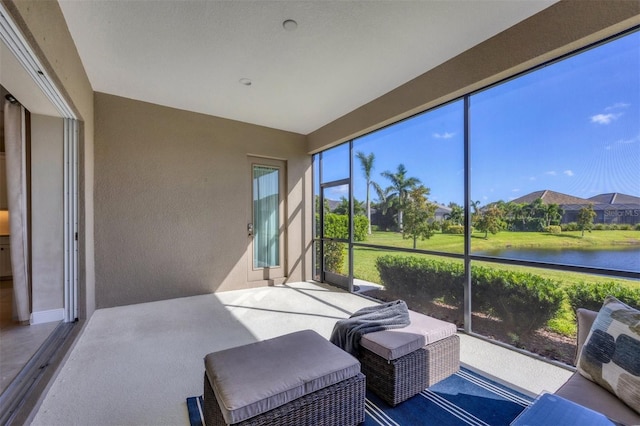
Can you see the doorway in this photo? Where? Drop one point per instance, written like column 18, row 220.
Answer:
column 266, row 225
column 335, row 231
column 52, row 244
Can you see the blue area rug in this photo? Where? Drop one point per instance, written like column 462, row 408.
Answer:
column 465, row 398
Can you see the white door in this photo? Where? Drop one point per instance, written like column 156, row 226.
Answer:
column 266, row 227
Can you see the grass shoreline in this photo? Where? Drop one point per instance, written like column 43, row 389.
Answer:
column 454, row 243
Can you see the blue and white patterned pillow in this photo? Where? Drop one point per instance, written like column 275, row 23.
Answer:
column 611, row 355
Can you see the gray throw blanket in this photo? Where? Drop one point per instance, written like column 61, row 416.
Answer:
column 346, row 333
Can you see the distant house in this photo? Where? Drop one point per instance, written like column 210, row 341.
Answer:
column 610, row 208
column 441, row 212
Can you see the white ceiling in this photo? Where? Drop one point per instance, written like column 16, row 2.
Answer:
column 343, row 54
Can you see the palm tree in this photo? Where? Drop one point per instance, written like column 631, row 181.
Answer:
column 475, row 205
column 366, row 163
column 553, row 213
column 475, row 215
column 456, row 216
column 399, row 189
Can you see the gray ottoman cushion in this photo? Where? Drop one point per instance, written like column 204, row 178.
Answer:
column 252, row 379
column 398, row 342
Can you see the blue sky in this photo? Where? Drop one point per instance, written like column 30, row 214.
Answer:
column 571, row 127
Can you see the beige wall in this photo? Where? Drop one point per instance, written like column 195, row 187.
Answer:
column 46, row 30
column 172, row 197
column 47, row 258
column 557, row 30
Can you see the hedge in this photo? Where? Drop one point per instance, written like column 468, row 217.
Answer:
column 337, row 226
column 553, row 229
column 427, row 277
column 591, row 295
column 523, row 301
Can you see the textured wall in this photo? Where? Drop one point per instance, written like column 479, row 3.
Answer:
column 172, row 197
column 46, row 220
column 559, row 29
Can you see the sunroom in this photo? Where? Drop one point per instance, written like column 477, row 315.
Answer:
column 375, row 149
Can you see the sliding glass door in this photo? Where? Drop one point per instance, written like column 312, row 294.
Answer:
column 335, row 230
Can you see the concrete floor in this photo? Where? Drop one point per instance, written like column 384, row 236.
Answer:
column 137, row 364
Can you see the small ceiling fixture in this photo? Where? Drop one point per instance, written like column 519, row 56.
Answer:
column 290, row 25
column 245, row 81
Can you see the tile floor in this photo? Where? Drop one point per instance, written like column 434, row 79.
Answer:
column 18, row 343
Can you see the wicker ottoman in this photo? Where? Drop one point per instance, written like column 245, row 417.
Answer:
column 401, row 363
column 296, row 379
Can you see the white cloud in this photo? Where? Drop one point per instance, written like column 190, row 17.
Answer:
column 617, row 105
column 445, row 135
column 568, row 172
column 628, row 141
column 604, row 118
column 609, row 116
column 532, row 178
column 515, row 190
column 550, row 173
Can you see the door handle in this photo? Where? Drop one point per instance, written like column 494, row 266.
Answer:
column 250, row 229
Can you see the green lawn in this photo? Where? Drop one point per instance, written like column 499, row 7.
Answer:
column 455, row 243
column 365, row 257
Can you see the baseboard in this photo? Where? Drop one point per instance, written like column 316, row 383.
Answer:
column 43, row 317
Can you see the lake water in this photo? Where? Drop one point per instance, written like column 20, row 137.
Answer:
column 624, row 259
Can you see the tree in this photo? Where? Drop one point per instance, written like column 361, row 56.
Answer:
column 490, row 220
column 317, row 205
column 419, row 213
column 387, row 203
column 586, row 215
column 343, row 207
column 456, row 216
column 519, row 212
column 475, row 205
column 553, row 214
column 366, row 164
column 397, row 193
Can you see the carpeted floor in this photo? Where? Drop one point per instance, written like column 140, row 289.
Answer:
column 466, row 398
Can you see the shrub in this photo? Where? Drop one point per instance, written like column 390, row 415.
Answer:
column 360, row 228
column 333, row 257
column 599, row 227
column 637, row 227
column 523, row 301
column 624, row 227
column 553, row 229
column 591, row 295
column 337, row 226
column 454, row 229
column 571, row 226
column 427, row 278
